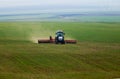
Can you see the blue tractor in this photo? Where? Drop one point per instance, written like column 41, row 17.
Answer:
column 59, row 39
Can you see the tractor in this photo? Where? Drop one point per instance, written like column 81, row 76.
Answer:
column 59, row 39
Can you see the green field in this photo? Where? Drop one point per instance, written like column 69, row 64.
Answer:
column 95, row 56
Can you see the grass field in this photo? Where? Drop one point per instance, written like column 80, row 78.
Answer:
column 95, row 56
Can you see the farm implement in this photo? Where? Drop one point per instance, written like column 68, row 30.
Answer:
column 59, row 39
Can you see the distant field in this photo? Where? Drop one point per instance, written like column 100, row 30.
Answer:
column 63, row 16
column 95, row 56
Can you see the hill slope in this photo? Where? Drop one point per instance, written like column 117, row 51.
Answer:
column 95, row 56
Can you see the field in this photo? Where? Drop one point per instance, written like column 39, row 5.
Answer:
column 95, row 56
column 62, row 16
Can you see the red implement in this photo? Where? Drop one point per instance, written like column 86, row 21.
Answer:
column 51, row 40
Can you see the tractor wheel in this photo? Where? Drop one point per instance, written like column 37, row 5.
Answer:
column 63, row 42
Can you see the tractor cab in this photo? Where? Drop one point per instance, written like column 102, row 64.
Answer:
column 60, row 33
column 59, row 37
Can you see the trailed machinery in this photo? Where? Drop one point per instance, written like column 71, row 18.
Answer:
column 59, row 39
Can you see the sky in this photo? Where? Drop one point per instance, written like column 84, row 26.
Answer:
column 96, row 5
